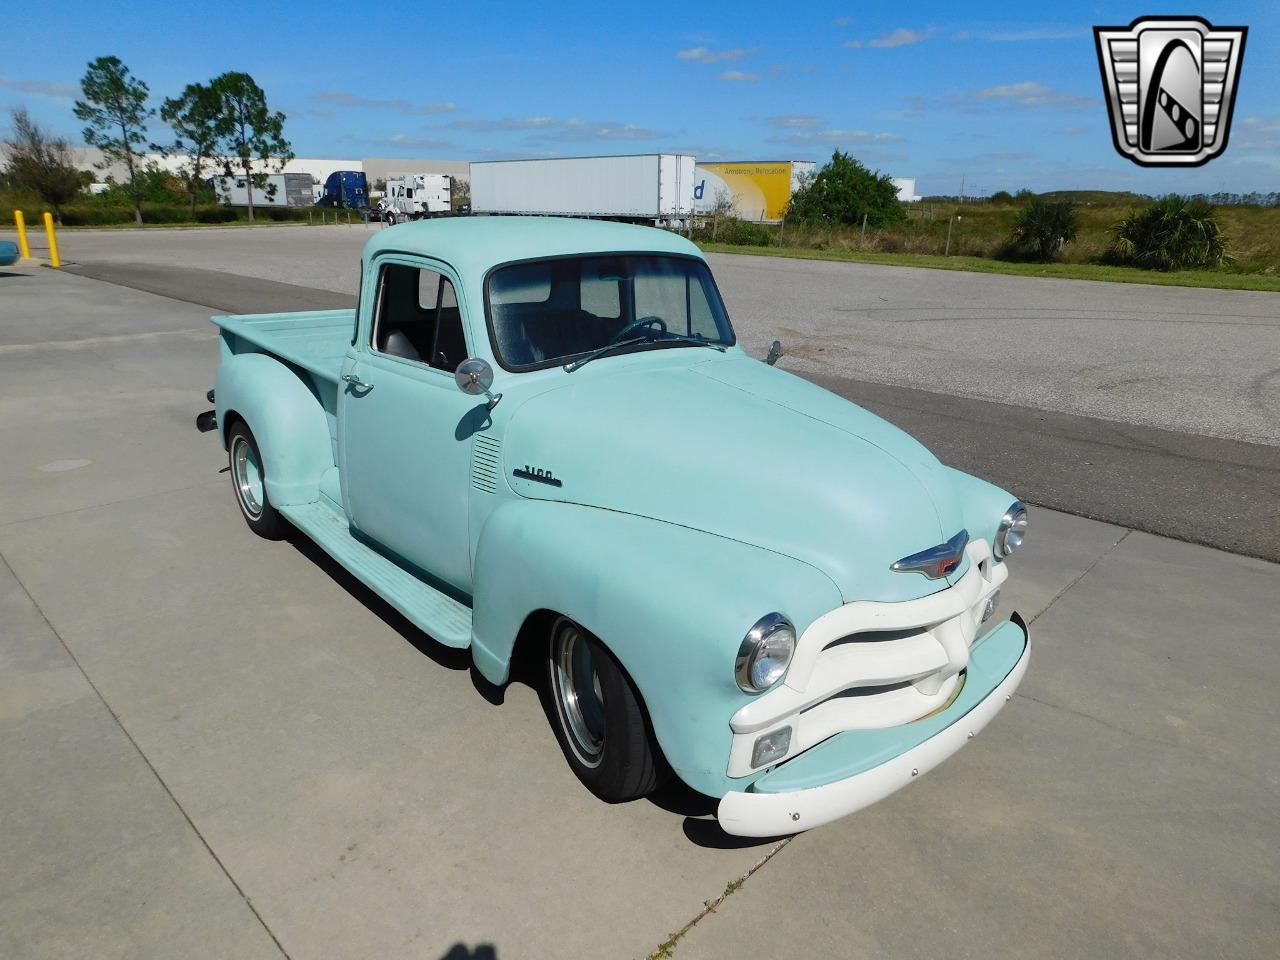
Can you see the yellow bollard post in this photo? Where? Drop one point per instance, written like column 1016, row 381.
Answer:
column 21, row 223
column 53, row 240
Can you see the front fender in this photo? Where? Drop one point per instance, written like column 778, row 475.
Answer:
column 286, row 418
column 672, row 604
column 982, row 504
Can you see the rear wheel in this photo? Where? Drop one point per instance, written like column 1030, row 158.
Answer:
column 248, row 479
column 598, row 717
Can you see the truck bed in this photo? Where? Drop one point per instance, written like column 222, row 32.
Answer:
column 316, row 340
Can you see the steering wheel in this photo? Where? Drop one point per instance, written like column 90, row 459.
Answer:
column 638, row 324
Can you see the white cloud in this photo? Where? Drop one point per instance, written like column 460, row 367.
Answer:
column 797, row 121
column 707, row 55
column 577, row 130
column 902, row 37
column 1035, row 33
column 506, row 123
column 401, row 141
column 341, row 98
column 1029, row 94
column 41, row 88
column 834, row 137
column 571, row 129
column 738, row 76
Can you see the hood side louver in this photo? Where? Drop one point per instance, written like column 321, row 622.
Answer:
column 486, row 459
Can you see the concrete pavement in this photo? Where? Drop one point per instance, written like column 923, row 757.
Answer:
column 217, row 746
column 1175, row 358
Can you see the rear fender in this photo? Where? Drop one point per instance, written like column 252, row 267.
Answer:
column 671, row 604
column 286, row 418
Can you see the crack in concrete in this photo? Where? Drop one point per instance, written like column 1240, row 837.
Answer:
column 145, row 759
column 667, row 948
column 1087, row 570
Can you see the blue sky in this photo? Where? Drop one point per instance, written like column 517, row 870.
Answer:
column 1006, row 94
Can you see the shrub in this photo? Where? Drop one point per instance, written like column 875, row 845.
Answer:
column 843, row 192
column 1174, row 233
column 1043, row 227
column 1002, row 196
column 744, row 233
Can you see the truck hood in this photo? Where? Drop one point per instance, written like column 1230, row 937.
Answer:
column 738, row 449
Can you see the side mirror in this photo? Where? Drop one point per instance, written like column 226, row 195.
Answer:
column 775, row 352
column 474, row 377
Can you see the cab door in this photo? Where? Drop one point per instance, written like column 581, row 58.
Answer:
column 404, row 450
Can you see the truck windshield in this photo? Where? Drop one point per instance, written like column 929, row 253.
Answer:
column 545, row 312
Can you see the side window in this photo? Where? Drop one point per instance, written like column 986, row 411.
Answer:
column 451, row 344
column 417, row 317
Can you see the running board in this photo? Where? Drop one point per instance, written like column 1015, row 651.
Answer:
column 433, row 612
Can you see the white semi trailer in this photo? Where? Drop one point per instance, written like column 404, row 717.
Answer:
column 650, row 188
column 275, row 190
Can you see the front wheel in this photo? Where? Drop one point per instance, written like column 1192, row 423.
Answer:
column 598, row 717
column 248, row 479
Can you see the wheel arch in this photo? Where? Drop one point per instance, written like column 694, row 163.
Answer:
column 657, row 597
column 286, row 419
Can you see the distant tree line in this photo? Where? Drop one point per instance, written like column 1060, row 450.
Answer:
column 222, row 126
column 1220, row 199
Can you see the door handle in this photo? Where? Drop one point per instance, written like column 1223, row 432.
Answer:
column 356, row 382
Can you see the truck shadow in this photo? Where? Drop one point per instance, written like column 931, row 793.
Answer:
column 450, row 658
column 460, row 951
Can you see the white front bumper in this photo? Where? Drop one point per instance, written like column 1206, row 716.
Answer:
column 747, row 814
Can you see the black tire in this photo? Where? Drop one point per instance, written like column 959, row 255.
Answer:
column 607, row 740
column 247, row 474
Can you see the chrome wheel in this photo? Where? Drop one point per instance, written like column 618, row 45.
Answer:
column 577, row 692
column 247, row 472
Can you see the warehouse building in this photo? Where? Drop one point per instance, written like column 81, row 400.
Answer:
column 375, row 168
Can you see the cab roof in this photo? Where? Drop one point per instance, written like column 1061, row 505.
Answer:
column 473, row 245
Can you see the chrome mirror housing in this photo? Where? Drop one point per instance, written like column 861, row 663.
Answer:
column 474, row 377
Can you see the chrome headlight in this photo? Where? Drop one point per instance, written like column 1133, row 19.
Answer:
column 765, row 653
column 1013, row 527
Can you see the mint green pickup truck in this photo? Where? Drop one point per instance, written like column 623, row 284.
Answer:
column 541, row 436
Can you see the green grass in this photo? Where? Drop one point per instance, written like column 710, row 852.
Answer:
column 979, row 241
column 1064, row 271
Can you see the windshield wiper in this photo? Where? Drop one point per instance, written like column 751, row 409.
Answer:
column 696, row 341
column 667, row 338
column 601, row 351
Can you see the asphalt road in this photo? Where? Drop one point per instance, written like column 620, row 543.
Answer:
column 215, row 746
column 1220, row 492
column 1176, row 358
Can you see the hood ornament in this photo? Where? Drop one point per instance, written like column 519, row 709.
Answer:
column 936, row 562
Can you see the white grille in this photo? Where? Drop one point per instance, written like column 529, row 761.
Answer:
column 869, row 665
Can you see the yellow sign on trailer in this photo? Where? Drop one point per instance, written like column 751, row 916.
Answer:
column 758, row 190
